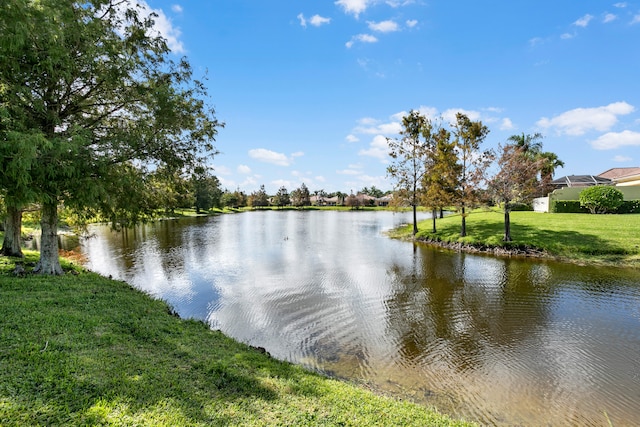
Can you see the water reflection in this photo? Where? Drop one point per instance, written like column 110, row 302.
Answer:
column 501, row 341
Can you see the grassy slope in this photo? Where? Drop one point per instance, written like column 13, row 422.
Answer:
column 84, row 350
column 607, row 239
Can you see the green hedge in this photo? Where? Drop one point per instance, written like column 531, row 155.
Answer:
column 629, row 206
column 573, row 206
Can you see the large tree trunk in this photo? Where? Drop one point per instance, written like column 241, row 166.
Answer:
column 12, row 244
column 49, row 260
column 434, row 215
column 463, row 228
column 507, row 225
column 415, row 220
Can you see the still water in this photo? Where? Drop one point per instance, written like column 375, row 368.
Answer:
column 502, row 341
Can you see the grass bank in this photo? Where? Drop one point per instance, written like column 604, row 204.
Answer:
column 584, row 238
column 81, row 349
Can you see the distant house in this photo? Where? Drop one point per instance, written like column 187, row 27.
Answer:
column 580, row 181
column 623, row 177
column 384, row 200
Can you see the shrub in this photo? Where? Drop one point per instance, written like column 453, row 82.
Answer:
column 629, row 207
column 567, row 206
column 601, row 199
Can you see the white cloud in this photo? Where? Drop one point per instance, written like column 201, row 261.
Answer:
column 221, row 170
column 430, row 113
column 227, row 183
column 297, row 154
column 620, row 5
column 249, row 181
column 268, row 156
column 301, row 18
column 536, row 41
column 368, row 181
column 581, row 120
column 283, row 183
column 450, row 115
column 352, row 138
column 177, row 8
column 411, row 23
column 612, row 140
column 354, row 7
column 383, row 26
column 609, row 17
column 373, row 127
column 507, row 124
column 367, row 121
column 244, row 169
column 622, row 159
column 317, row 20
column 584, row 21
column 162, row 25
column 321, row 178
column 348, row 172
column 363, row 38
column 635, row 20
column 567, row 36
column 378, row 148
column 398, row 3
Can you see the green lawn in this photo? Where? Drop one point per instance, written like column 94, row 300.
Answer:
column 610, row 239
column 81, row 349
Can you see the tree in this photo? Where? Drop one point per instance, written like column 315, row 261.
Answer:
column 91, row 89
column 301, row 197
column 373, row 192
column 473, row 163
column 171, row 190
column 601, row 199
column 441, row 179
column 531, row 146
column 282, row 197
column 411, row 159
column 18, row 150
column 516, row 181
column 548, row 164
column 229, row 199
column 259, row 198
column 352, row 201
column 206, row 189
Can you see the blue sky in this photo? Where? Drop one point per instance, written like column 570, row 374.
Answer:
column 309, row 90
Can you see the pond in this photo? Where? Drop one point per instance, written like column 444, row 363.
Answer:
column 502, row 341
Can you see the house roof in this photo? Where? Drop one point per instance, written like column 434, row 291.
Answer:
column 615, row 173
column 580, row 181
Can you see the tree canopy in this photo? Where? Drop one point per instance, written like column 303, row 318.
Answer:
column 601, row 199
column 89, row 97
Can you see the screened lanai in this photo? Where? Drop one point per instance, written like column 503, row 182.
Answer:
column 580, row 181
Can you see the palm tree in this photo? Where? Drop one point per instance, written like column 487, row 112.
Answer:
column 531, row 145
column 550, row 162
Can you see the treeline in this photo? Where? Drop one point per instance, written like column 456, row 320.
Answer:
column 300, row 197
column 436, row 166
